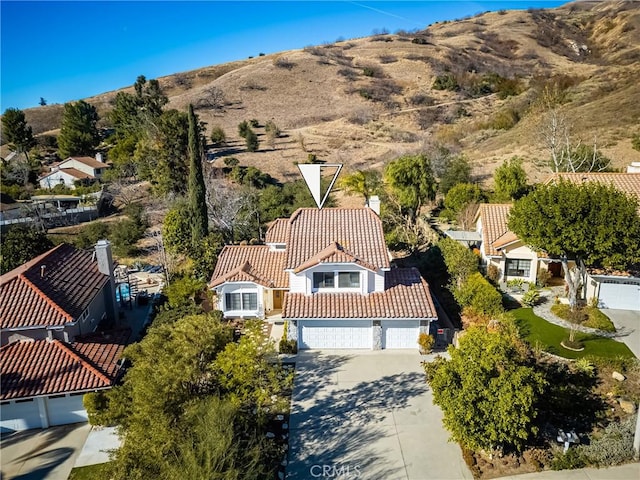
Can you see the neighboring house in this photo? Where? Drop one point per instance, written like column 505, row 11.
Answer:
column 73, row 169
column 50, row 354
column 329, row 270
column 501, row 247
column 613, row 289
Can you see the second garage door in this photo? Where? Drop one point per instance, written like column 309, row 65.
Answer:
column 336, row 334
column 625, row 296
column 65, row 409
column 400, row 334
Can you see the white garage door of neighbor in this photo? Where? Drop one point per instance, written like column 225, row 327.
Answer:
column 20, row 415
column 400, row 334
column 335, row 334
column 64, row 410
column 623, row 296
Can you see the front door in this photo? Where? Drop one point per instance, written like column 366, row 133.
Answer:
column 277, row 299
column 555, row 268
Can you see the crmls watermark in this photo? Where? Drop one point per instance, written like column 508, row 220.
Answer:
column 335, row 471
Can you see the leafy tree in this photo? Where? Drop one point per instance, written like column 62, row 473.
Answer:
column 510, row 181
column 176, row 229
column 90, row 233
column 78, row 132
column 592, row 223
column 183, row 291
column 20, row 244
column 16, row 132
column 462, row 195
column 206, row 255
column 169, row 176
column 251, row 140
column 42, row 102
column 411, row 183
column 477, row 294
column 635, row 142
column 455, row 170
column 460, row 261
column 197, row 189
column 488, row 390
column 170, row 368
column 361, row 182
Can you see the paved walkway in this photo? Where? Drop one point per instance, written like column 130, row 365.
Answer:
column 367, row 415
column 100, row 442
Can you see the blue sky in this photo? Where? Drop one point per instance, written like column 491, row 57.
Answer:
column 66, row 51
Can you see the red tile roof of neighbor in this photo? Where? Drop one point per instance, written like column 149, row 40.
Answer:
column 357, row 230
column 74, row 172
column 406, row 295
column 88, row 161
column 51, row 289
column 49, row 367
column 625, row 182
column 250, row 263
column 278, row 231
column 494, row 226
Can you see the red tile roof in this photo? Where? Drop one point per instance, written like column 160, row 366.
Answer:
column 628, row 183
column 88, row 161
column 406, row 295
column 49, row 367
column 74, row 172
column 250, row 263
column 50, row 290
column 358, row 230
column 278, row 231
column 334, row 253
column 494, row 226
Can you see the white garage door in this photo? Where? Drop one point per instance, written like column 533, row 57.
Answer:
column 623, row 296
column 19, row 415
column 400, row 334
column 335, row 334
column 63, row 410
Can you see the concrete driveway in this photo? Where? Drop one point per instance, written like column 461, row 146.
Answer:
column 367, row 415
column 39, row 454
column 627, row 324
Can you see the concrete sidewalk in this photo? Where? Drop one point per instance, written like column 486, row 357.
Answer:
column 100, row 442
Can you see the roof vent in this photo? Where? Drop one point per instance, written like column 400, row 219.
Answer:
column 43, row 269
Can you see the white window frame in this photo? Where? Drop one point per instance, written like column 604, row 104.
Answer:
column 526, row 272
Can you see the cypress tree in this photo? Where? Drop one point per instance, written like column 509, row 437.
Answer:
column 197, row 190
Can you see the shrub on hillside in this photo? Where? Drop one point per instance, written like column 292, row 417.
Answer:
column 446, row 82
column 218, row 137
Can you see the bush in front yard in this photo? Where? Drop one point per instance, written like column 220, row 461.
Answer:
column 595, row 318
column 615, row 445
column 531, row 297
column 478, row 294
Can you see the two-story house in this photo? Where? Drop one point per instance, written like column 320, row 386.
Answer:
column 72, row 170
column 330, row 271
column 50, row 353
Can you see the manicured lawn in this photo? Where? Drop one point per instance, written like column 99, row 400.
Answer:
column 90, row 472
column 538, row 331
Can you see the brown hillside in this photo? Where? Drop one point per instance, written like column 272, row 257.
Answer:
column 363, row 102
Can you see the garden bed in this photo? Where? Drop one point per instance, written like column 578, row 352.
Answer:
column 541, row 334
column 595, row 318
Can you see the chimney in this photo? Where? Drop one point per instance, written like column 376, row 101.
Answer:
column 99, row 157
column 374, row 204
column 104, row 258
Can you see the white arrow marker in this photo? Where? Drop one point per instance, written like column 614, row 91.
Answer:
column 311, row 172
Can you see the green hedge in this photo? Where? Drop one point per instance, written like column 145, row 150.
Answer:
column 596, row 319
